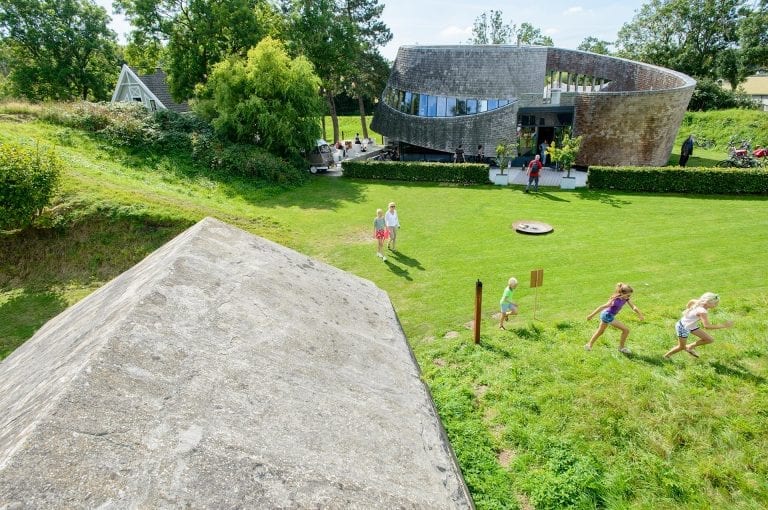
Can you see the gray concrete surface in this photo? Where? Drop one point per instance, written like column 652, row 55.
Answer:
column 223, row 371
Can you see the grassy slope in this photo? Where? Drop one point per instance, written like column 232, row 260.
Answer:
column 532, row 416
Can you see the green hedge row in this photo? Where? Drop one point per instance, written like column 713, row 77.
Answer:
column 460, row 173
column 708, row 181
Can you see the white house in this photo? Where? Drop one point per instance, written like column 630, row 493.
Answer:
column 151, row 90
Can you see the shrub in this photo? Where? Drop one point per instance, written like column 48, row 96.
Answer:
column 244, row 160
column 679, row 180
column 460, row 173
column 28, row 180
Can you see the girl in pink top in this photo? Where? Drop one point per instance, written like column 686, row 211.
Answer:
column 608, row 312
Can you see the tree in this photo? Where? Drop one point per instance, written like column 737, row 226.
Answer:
column 58, row 49
column 489, row 28
column 753, row 37
column 685, row 35
column 371, row 71
column 266, row 98
column 528, row 34
column 595, row 45
column 330, row 41
column 566, row 153
column 197, row 34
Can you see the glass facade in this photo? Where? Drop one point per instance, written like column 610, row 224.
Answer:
column 425, row 105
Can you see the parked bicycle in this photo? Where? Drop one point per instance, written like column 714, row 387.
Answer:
column 739, row 155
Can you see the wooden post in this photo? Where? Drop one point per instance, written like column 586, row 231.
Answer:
column 537, row 279
column 478, row 307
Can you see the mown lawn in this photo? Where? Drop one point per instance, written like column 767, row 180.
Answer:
column 534, row 419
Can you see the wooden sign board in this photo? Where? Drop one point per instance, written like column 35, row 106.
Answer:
column 537, row 278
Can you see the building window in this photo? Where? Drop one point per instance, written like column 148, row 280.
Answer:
column 152, row 105
column 425, row 105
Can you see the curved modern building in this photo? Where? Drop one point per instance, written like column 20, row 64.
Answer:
column 439, row 97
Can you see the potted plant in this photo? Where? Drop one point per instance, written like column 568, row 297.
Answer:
column 505, row 151
column 565, row 155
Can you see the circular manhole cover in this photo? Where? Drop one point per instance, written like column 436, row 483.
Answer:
column 532, row 227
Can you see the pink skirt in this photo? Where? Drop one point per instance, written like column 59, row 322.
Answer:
column 382, row 234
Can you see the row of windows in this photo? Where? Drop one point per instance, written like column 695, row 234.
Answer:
column 425, row 105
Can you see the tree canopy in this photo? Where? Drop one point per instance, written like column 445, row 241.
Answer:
column 703, row 38
column 197, row 34
column 266, row 98
column 489, row 28
column 58, row 49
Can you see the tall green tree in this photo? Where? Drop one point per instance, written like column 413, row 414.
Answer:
column 197, row 34
column 266, row 98
column 370, row 72
column 685, row 35
column 58, row 49
column 320, row 31
column 753, row 37
column 489, row 28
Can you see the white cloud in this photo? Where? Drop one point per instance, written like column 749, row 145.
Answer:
column 574, row 10
column 453, row 32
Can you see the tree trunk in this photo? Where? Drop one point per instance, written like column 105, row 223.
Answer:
column 334, row 115
column 361, row 104
column 322, row 124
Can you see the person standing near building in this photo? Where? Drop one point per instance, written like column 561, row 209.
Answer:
column 686, row 150
column 480, row 154
column 458, row 157
column 544, row 146
column 534, row 168
column 393, row 223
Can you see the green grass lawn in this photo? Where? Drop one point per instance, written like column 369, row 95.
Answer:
column 535, row 421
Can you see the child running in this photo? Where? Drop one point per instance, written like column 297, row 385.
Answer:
column 608, row 312
column 696, row 311
column 507, row 306
column 380, row 232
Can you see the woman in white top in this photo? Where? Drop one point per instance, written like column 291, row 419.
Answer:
column 688, row 324
column 393, row 223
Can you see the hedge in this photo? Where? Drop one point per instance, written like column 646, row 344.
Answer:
column 708, row 181
column 460, row 173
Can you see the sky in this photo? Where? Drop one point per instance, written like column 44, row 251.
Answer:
column 435, row 22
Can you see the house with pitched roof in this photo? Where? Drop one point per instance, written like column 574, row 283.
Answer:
column 151, row 90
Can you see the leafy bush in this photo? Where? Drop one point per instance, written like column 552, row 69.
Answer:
column 679, row 180
column 709, row 95
column 461, row 173
column 245, row 161
column 28, row 180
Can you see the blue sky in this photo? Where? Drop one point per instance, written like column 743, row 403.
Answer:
column 429, row 22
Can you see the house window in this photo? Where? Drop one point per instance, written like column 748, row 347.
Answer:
column 137, row 99
column 152, row 105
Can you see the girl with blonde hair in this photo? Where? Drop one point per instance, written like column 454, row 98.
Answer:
column 608, row 312
column 695, row 311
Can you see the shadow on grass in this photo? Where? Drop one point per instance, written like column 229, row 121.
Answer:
column 23, row 314
column 406, row 260
column 657, row 360
column 399, row 271
column 737, row 371
column 549, row 196
column 43, row 269
column 612, row 199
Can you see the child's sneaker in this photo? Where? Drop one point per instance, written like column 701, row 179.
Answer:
column 624, row 350
column 587, row 347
